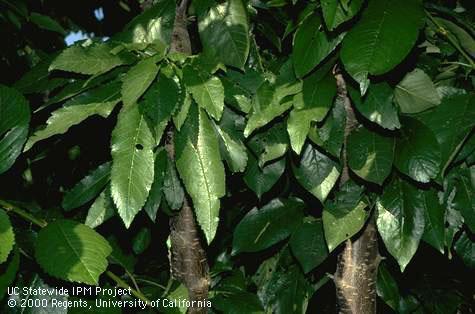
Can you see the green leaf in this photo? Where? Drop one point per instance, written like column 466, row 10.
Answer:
column 416, row 92
column 261, row 180
column 311, row 45
column 230, row 142
column 100, row 101
column 88, row 188
column 152, row 26
column 172, row 188
column 200, row 167
column 14, row 120
column 47, row 23
column 316, row 173
column 370, row 155
column 400, row 220
column 207, row 90
column 378, row 105
column 344, row 216
column 334, row 13
column 137, row 80
column 94, row 59
column 451, row 123
column 9, row 273
column 418, row 154
column 7, row 237
column 72, row 251
column 141, row 241
column 132, row 163
column 387, row 288
column 101, row 210
column 382, row 38
column 261, row 228
column 465, row 39
column 465, row 248
column 308, row 244
column 269, row 145
column 224, row 31
column 464, row 199
column 434, row 215
column 155, row 196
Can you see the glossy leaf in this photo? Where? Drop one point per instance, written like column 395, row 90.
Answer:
column 224, row 31
column 418, row 153
column 308, row 244
column 200, row 167
column 261, row 180
column 14, row 121
column 370, row 155
column 132, row 163
column 7, row 237
column 137, row 80
column 317, row 173
column 261, row 228
column 382, row 38
column 400, row 220
column 416, row 92
column 72, row 251
column 434, row 215
column 465, row 248
column 386, row 287
column 86, row 189
column 100, row 101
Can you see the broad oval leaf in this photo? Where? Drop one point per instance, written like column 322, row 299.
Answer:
column 93, row 59
column 400, row 220
column 261, row 228
column 230, row 141
column 86, row 189
column 465, row 248
column 370, row 155
column 132, row 162
column 416, row 92
column 224, row 31
column 138, row 79
column 382, row 38
column 72, row 251
column 7, row 237
column 101, row 210
column 261, row 180
column 317, row 173
column 418, row 154
column 201, row 169
column 387, row 288
column 308, row 244
column 14, row 121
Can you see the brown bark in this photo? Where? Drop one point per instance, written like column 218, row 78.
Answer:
column 188, row 259
column 357, row 266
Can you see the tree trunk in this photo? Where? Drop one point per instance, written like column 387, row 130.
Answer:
column 357, row 266
column 188, row 259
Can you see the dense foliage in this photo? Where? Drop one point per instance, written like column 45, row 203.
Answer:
column 104, row 141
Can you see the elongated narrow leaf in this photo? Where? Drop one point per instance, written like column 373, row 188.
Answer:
column 137, row 80
column 224, row 31
column 416, row 92
column 370, row 155
column 382, row 38
column 317, row 173
column 230, row 141
column 261, row 228
column 344, row 216
column 7, row 237
column 172, row 187
column 100, row 101
column 434, row 231
column 45, row 22
column 93, row 59
column 86, row 189
column 418, row 154
column 201, row 169
column 132, row 163
column 72, row 251
column 207, row 90
column 387, row 288
column 155, row 196
column 311, row 45
column 8, row 275
column 335, row 13
column 400, row 220
column 101, row 210
column 308, row 245
column 14, row 121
